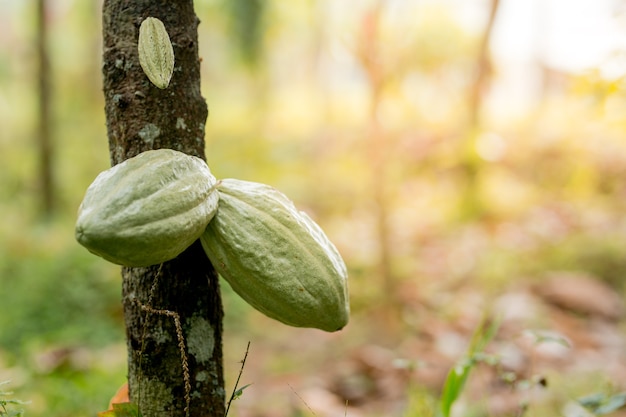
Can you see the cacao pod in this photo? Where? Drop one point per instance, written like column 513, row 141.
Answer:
column 276, row 258
column 147, row 209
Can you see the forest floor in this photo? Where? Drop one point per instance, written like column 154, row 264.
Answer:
column 557, row 342
column 562, row 336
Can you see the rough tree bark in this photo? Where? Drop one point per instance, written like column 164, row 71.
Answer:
column 140, row 117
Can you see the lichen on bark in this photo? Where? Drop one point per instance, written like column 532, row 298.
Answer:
column 200, row 342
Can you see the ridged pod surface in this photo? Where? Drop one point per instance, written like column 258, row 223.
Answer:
column 276, row 258
column 147, row 209
column 156, row 55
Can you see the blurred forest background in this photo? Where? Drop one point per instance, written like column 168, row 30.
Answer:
column 467, row 157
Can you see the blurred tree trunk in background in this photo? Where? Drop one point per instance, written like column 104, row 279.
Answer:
column 44, row 129
column 246, row 25
column 483, row 67
column 140, row 117
column 93, row 62
column 378, row 154
column 471, row 204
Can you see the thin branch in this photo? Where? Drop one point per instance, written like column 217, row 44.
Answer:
column 243, row 363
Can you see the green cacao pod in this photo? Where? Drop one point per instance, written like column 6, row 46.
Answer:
column 147, row 209
column 276, row 258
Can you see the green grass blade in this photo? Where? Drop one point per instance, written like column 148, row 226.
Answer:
column 457, row 376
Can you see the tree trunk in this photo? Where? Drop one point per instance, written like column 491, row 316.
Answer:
column 183, row 291
column 44, row 127
column 378, row 158
column 483, row 68
column 471, row 205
